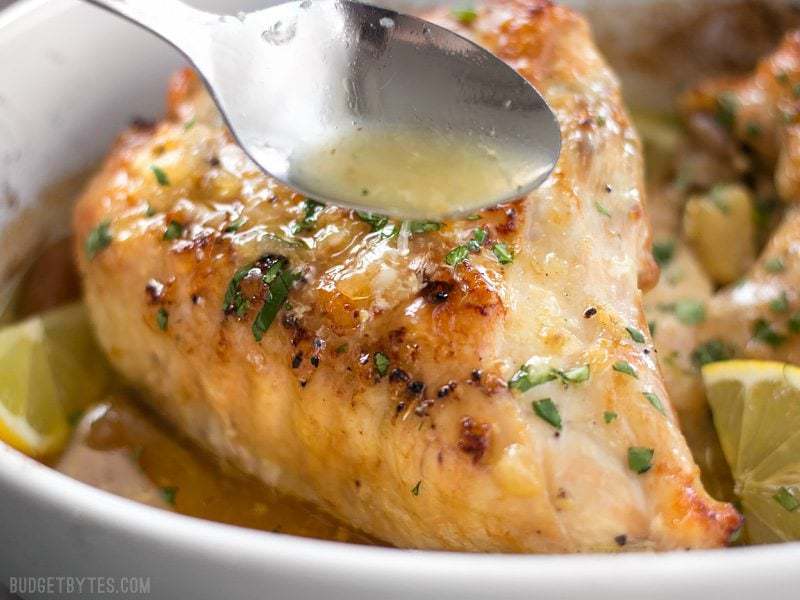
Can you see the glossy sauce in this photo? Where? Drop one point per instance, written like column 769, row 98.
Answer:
column 121, row 447
column 452, row 174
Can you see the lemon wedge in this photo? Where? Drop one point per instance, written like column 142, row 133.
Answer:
column 50, row 368
column 756, row 407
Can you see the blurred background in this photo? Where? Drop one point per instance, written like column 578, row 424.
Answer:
column 4, row 595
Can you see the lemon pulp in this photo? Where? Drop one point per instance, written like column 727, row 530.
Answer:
column 50, row 367
column 756, row 407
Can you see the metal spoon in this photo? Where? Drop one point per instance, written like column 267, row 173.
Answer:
column 364, row 107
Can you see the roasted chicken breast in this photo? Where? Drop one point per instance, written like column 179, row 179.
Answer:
column 742, row 129
column 486, row 384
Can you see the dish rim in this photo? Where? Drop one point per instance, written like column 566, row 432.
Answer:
column 65, row 495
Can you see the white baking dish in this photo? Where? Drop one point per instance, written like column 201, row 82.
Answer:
column 70, row 78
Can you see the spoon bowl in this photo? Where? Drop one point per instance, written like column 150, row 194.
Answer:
column 364, row 107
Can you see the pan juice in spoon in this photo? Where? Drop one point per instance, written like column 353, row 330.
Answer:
column 414, row 174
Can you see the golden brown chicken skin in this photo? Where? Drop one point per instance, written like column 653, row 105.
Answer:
column 503, row 397
column 754, row 121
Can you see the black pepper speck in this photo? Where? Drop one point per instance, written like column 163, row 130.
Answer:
column 297, row 359
column 416, row 387
column 437, row 292
column 398, row 375
column 446, row 389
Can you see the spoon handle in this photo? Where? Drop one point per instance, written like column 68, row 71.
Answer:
column 172, row 20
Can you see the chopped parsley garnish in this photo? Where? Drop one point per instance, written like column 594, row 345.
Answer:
column 780, row 304
column 234, row 226
column 311, row 210
column 74, row 417
column 575, row 374
column 381, row 363
column 609, row 416
column 719, row 198
column 763, row 332
column 424, row 226
column 651, row 325
column 161, row 176
column 663, row 252
column 98, row 239
column 601, row 209
column 753, row 129
column 655, row 401
column 456, row 255
column 787, row 499
column 623, row 366
column 640, row 460
column 474, row 218
column 162, row 319
column 377, row 222
column 416, row 488
column 465, row 16
column 272, row 272
column 765, row 207
column 478, row 238
column 523, row 379
column 502, row 253
column 168, row 494
column 636, row 335
column 380, row 222
column 279, row 287
column 774, row 265
column 711, row 351
column 690, row 312
column 150, row 211
column 736, row 535
column 341, row 349
column 794, row 323
column 545, row 409
column 174, row 231
column 782, row 78
column 235, row 301
column 190, row 123
column 727, row 107
column 275, row 274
